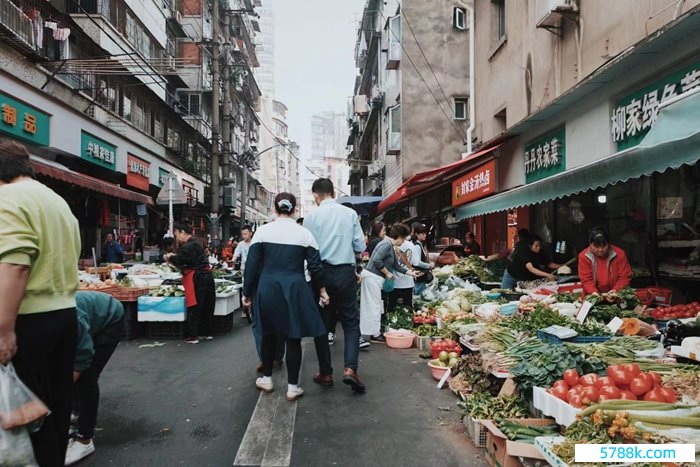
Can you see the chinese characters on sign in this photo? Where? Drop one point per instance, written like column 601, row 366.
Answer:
column 162, row 174
column 476, row 184
column 98, row 151
column 545, row 156
column 23, row 122
column 138, row 172
column 634, row 115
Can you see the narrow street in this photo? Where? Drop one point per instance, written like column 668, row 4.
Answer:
column 197, row 405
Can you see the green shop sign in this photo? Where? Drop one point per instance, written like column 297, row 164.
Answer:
column 98, row 151
column 162, row 173
column 24, row 122
column 635, row 114
column 546, row 156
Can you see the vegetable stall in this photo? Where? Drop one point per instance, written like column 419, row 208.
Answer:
column 542, row 370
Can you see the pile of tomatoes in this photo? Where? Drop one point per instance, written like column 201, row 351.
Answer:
column 424, row 318
column 690, row 310
column 446, row 345
column 621, row 382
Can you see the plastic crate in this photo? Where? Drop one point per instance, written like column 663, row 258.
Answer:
column 128, row 294
column 165, row 330
column 221, row 325
column 554, row 340
column 477, row 431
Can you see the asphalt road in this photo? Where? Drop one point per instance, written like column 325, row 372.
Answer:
column 197, row 405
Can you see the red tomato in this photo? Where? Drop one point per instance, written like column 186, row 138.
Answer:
column 561, row 383
column 589, row 379
column 656, row 377
column 571, row 393
column 590, row 394
column 647, row 377
column 571, row 377
column 633, row 368
column 604, row 381
column 578, row 388
column 613, row 368
column 560, row 392
column 669, row 394
column 655, row 395
column 640, row 386
column 627, row 395
column 609, row 392
column 576, row 400
column 621, row 377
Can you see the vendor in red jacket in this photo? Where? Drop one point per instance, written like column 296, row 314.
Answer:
column 603, row 267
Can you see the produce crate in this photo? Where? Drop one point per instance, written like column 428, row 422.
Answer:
column 477, row 431
column 165, row 330
column 128, row 294
column 221, row 325
column 554, row 340
column 103, row 272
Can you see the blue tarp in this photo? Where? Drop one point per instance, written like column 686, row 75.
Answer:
column 363, row 205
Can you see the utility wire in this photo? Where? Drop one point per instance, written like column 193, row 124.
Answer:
column 285, row 146
column 447, row 101
column 461, row 137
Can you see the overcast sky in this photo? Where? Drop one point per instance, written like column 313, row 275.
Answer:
column 314, row 59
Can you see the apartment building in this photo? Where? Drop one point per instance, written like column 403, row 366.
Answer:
column 409, row 111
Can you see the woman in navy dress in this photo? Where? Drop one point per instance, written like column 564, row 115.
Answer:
column 283, row 302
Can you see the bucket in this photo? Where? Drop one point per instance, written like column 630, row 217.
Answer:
column 424, row 347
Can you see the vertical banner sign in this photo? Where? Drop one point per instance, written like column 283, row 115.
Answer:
column 138, row 172
column 24, row 122
column 634, row 115
column 98, row 151
column 474, row 185
column 545, row 156
column 162, row 174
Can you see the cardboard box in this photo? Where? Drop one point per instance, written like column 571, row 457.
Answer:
column 516, row 449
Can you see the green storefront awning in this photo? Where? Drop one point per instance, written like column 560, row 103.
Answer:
column 673, row 141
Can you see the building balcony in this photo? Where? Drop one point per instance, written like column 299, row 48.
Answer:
column 16, row 29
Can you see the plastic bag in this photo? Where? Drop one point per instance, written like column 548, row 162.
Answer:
column 19, row 407
column 16, row 448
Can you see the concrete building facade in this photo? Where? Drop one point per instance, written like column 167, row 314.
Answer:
column 409, row 111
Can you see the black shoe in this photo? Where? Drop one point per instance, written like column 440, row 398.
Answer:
column 363, row 343
column 351, row 379
column 380, row 339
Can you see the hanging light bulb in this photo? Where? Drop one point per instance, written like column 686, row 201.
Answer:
column 602, row 199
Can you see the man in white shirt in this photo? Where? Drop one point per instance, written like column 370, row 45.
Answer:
column 243, row 247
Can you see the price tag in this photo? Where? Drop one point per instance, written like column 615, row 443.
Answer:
column 583, row 311
column 615, row 324
column 443, row 380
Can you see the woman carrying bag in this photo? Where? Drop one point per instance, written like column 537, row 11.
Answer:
column 379, row 276
column 419, row 259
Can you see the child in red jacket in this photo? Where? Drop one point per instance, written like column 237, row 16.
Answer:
column 603, row 267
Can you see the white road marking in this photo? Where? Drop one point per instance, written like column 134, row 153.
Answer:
column 268, row 439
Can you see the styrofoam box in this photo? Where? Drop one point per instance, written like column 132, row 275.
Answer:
column 551, row 406
column 161, row 308
column 227, row 303
column 544, row 444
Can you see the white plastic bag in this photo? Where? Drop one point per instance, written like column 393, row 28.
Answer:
column 19, row 407
column 16, row 448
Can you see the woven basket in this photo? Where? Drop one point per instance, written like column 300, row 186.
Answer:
column 128, row 294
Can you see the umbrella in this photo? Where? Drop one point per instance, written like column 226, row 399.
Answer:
column 363, row 205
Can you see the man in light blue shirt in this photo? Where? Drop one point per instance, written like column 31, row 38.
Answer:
column 339, row 236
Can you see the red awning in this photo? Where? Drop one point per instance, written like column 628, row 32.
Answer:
column 424, row 181
column 60, row 172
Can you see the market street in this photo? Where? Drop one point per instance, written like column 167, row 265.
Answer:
column 192, row 405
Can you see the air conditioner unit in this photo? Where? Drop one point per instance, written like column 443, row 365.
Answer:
column 361, row 105
column 549, row 12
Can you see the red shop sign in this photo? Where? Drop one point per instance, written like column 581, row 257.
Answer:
column 474, row 185
column 138, row 172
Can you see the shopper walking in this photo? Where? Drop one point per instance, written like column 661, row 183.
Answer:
column 339, row 235
column 380, row 269
column 39, row 251
column 603, row 267
column 241, row 254
column 402, row 295
column 282, row 301
column 100, row 326
column 198, row 281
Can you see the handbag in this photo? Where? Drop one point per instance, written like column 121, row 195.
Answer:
column 426, row 278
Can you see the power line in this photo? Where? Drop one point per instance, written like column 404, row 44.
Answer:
column 285, row 146
column 447, row 101
column 424, row 82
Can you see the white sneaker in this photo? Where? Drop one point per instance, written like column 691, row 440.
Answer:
column 73, row 418
column 265, row 387
column 331, row 338
column 77, row 451
column 295, row 394
column 363, row 343
column 206, row 338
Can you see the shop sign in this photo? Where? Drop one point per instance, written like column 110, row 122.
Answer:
column 634, row 115
column 23, row 122
column 546, row 156
column 162, row 174
column 138, row 172
column 474, row 185
column 98, row 151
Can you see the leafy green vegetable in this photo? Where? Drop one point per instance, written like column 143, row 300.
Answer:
column 481, row 405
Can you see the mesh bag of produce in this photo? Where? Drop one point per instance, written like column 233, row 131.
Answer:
column 19, row 407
